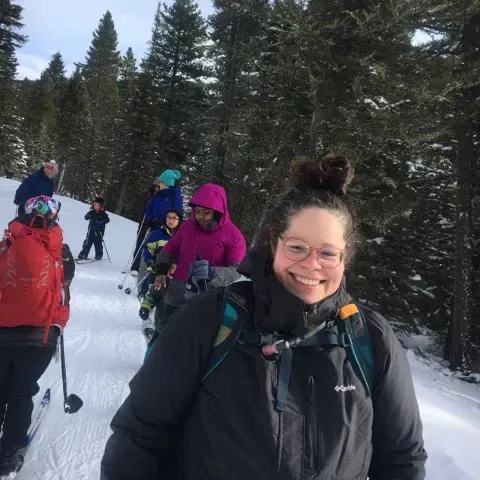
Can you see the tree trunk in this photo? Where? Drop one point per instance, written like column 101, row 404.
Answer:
column 459, row 341
column 457, row 346
column 62, row 175
column 121, row 196
column 171, row 97
column 227, row 98
column 315, row 143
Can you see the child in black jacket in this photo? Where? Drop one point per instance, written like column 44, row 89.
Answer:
column 96, row 229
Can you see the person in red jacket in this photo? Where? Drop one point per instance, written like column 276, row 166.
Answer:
column 36, row 269
column 204, row 253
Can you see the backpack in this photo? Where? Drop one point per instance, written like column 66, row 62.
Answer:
column 236, row 312
column 31, row 277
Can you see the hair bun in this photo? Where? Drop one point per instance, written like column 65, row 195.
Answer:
column 332, row 173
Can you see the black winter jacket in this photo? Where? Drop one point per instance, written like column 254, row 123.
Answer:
column 98, row 220
column 174, row 427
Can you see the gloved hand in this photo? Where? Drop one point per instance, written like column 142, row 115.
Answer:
column 144, row 313
column 201, row 270
column 151, row 267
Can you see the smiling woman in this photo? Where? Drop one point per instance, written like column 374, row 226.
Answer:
column 258, row 410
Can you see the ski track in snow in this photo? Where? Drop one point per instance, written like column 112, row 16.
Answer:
column 104, row 349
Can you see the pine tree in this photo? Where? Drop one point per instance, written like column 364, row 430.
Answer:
column 127, row 169
column 460, row 24
column 41, row 121
column 41, row 113
column 12, row 155
column 236, row 34
column 74, row 137
column 173, row 72
column 101, row 74
column 56, row 74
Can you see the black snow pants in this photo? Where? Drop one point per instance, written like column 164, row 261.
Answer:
column 94, row 238
column 20, row 369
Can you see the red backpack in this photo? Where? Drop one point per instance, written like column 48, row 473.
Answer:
column 31, row 277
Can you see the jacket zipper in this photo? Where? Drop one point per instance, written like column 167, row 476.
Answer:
column 313, row 422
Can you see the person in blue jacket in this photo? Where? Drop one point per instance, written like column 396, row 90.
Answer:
column 36, row 184
column 168, row 196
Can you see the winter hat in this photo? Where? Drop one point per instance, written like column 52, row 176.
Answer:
column 51, row 167
column 169, row 177
column 44, row 206
column 99, row 199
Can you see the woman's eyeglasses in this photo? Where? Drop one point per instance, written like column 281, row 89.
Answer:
column 298, row 250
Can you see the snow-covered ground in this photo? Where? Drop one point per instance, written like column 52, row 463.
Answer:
column 105, row 348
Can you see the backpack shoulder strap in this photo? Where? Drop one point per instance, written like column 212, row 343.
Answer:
column 352, row 322
column 234, row 313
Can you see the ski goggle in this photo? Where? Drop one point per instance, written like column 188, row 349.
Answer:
column 43, row 205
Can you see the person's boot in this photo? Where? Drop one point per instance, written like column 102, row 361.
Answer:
column 148, row 328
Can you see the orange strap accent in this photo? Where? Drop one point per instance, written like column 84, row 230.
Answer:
column 347, row 311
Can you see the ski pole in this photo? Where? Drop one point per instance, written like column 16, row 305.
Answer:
column 120, row 286
column 84, row 244
column 134, row 245
column 147, row 233
column 129, row 290
column 71, row 403
column 106, row 249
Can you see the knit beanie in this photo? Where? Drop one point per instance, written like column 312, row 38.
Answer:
column 169, row 177
column 51, row 167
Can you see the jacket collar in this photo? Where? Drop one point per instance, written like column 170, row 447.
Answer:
column 276, row 309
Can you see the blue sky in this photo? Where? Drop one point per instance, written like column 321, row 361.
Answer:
column 67, row 26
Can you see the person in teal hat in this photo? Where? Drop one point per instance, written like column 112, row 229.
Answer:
column 168, row 196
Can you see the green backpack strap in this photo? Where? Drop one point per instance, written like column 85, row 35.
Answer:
column 234, row 313
column 360, row 353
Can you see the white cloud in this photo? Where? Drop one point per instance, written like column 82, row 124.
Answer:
column 30, row 66
column 27, row 72
column 67, row 26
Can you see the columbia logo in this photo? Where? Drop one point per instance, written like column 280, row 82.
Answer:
column 343, row 388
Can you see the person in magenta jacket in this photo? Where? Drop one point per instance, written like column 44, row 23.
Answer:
column 204, row 253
